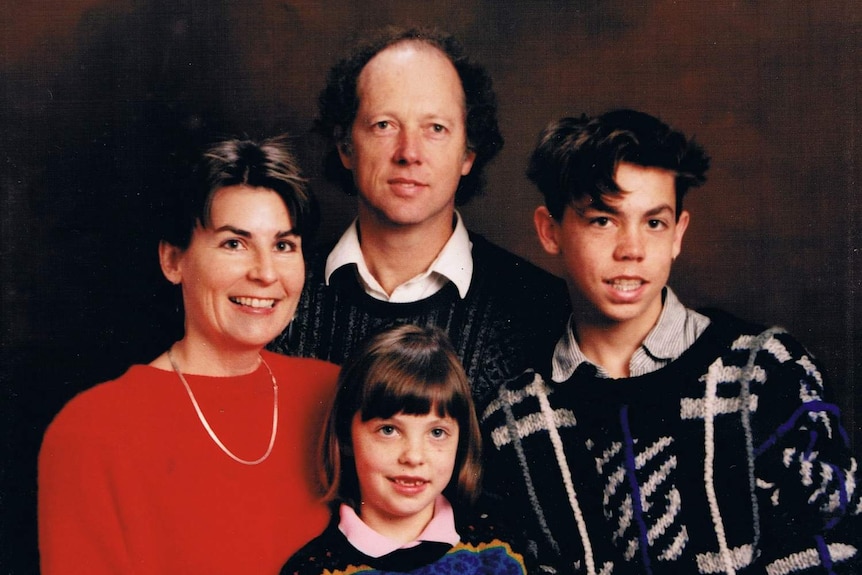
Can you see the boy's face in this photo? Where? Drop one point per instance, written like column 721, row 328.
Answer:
column 617, row 256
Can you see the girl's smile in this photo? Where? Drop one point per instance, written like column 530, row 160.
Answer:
column 403, row 463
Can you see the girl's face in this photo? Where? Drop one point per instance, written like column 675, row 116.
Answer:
column 403, row 463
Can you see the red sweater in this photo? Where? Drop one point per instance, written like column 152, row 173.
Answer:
column 130, row 482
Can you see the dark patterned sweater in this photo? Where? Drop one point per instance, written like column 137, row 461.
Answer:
column 728, row 460
column 483, row 549
column 510, row 316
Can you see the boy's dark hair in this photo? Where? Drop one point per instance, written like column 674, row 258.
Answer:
column 578, row 157
column 403, row 369
column 339, row 102
column 266, row 164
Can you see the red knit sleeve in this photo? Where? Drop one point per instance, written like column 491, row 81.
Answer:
column 79, row 528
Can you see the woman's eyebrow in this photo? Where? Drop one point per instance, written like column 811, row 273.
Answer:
column 247, row 234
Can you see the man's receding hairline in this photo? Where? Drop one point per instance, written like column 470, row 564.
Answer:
column 425, row 44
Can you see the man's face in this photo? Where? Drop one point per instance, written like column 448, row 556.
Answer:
column 618, row 256
column 408, row 143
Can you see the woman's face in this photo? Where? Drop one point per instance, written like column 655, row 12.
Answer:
column 242, row 275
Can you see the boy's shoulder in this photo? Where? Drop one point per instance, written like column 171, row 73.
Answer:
column 726, row 335
column 754, row 337
column 728, row 322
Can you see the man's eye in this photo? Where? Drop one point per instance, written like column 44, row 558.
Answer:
column 438, row 128
column 601, row 221
column 232, row 244
column 655, row 224
column 382, row 124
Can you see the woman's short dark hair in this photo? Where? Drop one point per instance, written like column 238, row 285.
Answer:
column 578, row 157
column 266, row 164
column 339, row 102
column 403, row 369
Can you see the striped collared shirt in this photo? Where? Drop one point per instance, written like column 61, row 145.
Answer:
column 676, row 330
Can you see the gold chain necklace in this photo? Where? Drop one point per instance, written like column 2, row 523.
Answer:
column 209, row 429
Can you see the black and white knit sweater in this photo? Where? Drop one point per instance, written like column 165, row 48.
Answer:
column 511, row 314
column 728, row 460
column 483, row 550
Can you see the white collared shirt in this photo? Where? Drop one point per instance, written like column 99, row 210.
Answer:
column 454, row 263
column 675, row 331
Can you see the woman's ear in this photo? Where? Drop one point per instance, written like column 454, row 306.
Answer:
column 169, row 259
column 547, row 228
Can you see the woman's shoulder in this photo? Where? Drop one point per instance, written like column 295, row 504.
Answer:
column 136, row 380
column 310, row 381
column 111, row 403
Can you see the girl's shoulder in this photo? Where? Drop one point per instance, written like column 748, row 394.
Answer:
column 327, row 552
column 482, row 525
column 488, row 533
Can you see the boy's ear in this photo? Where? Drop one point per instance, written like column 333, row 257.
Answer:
column 548, row 230
column 169, row 260
column 679, row 232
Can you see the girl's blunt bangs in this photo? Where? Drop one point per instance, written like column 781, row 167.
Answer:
column 404, row 369
column 393, row 388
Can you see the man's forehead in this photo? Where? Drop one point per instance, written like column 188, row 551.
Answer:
column 404, row 52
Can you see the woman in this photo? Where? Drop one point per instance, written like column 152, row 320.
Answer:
column 198, row 462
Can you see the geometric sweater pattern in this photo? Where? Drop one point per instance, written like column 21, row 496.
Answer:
column 727, row 460
column 511, row 315
column 483, row 550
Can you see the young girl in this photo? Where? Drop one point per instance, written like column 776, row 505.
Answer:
column 401, row 447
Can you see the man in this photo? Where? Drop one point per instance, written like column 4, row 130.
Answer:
column 413, row 124
column 661, row 440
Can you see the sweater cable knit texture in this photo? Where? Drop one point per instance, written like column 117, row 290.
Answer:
column 728, row 460
column 512, row 312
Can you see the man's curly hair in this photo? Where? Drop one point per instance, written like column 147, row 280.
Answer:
column 339, row 102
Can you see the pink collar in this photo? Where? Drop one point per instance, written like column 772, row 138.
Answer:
column 440, row 529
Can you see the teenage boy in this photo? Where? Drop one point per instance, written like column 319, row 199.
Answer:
column 661, row 440
column 413, row 123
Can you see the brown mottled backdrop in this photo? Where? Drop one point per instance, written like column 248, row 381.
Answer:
column 101, row 101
